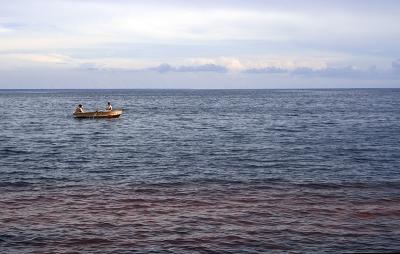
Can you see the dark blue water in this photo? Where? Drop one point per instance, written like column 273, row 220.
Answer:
column 200, row 171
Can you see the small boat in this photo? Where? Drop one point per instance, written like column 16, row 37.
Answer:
column 99, row 114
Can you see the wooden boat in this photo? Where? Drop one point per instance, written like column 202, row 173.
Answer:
column 99, row 114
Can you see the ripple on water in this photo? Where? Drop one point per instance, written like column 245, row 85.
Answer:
column 202, row 171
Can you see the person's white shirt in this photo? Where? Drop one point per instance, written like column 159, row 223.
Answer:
column 109, row 107
column 79, row 110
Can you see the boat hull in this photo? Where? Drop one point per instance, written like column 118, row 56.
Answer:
column 100, row 114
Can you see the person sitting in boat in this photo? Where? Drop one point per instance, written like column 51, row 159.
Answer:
column 109, row 107
column 79, row 109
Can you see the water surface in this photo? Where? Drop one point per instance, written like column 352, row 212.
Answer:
column 200, row 171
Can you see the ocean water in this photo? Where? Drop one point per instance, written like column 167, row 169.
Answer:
column 200, row 171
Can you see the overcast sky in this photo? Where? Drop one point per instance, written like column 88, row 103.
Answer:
column 199, row 44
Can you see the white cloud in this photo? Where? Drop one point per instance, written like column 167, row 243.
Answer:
column 231, row 64
column 5, row 30
column 85, row 23
column 244, row 63
column 22, row 60
column 396, row 65
column 48, row 58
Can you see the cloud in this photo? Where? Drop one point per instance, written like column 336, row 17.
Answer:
column 10, row 27
column 203, row 68
column 4, row 30
column 90, row 67
column 23, row 60
column 266, row 70
column 162, row 68
column 346, row 72
column 396, row 65
column 45, row 58
column 340, row 72
column 85, row 23
column 75, row 78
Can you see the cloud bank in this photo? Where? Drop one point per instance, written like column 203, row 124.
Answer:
column 199, row 68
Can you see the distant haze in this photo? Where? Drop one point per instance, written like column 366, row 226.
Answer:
column 199, row 44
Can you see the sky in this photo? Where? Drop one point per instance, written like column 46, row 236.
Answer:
column 199, row 44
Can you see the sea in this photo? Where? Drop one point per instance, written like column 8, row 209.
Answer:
column 200, row 171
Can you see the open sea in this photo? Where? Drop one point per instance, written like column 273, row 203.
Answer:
column 200, row 171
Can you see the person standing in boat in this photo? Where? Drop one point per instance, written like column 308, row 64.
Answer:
column 109, row 107
column 79, row 109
